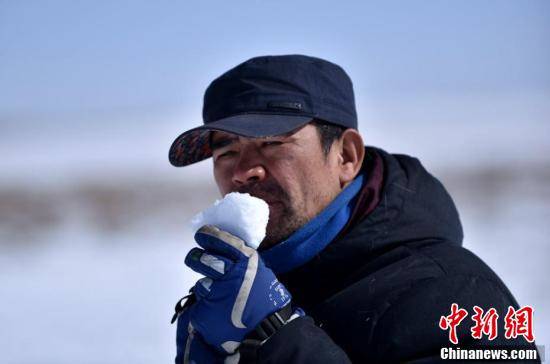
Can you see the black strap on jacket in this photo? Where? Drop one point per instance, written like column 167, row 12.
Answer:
column 270, row 325
column 182, row 305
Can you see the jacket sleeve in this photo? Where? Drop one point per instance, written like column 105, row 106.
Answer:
column 300, row 342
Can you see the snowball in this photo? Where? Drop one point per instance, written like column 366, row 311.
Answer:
column 239, row 214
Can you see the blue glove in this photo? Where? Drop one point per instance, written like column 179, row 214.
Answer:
column 238, row 292
column 191, row 347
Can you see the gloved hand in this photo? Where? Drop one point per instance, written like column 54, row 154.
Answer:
column 191, row 347
column 238, row 292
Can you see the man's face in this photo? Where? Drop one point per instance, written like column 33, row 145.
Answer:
column 289, row 172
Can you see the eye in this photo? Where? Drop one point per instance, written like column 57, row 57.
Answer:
column 272, row 143
column 225, row 154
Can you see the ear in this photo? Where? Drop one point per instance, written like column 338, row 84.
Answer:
column 351, row 155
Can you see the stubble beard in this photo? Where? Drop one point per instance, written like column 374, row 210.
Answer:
column 278, row 230
column 293, row 216
column 286, row 215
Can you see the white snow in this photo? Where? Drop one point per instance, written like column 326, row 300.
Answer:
column 240, row 214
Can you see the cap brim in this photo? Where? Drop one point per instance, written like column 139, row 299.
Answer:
column 194, row 145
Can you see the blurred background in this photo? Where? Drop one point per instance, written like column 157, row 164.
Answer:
column 93, row 219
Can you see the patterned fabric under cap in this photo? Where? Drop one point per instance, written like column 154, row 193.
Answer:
column 190, row 148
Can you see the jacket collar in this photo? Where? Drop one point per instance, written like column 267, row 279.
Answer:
column 400, row 204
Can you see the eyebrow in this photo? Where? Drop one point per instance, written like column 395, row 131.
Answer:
column 222, row 142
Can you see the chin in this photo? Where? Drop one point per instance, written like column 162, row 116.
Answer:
column 266, row 244
column 271, row 240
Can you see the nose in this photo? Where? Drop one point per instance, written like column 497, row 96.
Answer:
column 247, row 173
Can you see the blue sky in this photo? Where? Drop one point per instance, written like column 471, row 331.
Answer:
column 78, row 56
column 67, row 65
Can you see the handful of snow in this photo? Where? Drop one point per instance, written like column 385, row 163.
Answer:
column 239, row 214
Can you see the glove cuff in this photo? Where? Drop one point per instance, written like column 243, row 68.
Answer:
column 269, row 326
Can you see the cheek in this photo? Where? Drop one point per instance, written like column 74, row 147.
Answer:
column 223, row 180
column 296, row 176
column 320, row 185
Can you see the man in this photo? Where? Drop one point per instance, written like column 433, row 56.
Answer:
column 363, row 253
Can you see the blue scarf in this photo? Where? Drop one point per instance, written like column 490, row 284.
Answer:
column 314, row 236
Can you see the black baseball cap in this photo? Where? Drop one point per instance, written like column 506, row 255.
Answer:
column 268, row 96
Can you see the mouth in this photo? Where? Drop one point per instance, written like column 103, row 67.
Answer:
column 269, row 201
column 275, row 209
column 272, row 204
column 275, row 205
